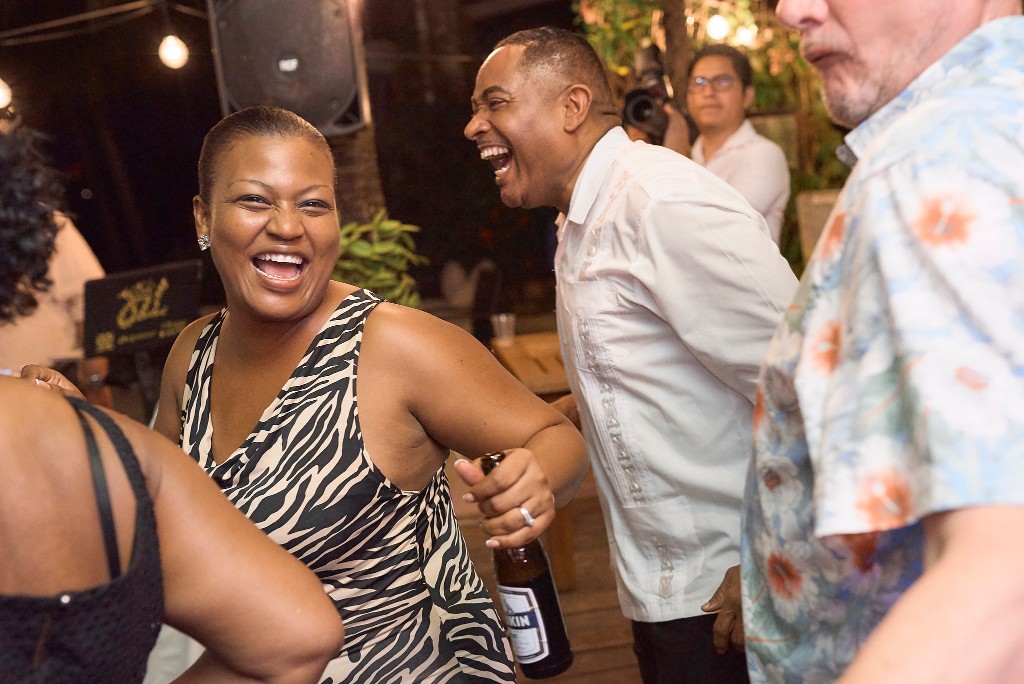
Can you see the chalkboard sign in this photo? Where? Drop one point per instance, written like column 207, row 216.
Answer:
column 135, row 310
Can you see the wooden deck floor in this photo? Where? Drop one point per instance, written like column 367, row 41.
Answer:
column 601, row 639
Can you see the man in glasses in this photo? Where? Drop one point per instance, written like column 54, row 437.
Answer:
column 885, row 505
column 720, row 88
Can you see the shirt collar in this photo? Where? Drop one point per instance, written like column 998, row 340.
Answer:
column 591, row 177
column 932, row 81
column 742, row 135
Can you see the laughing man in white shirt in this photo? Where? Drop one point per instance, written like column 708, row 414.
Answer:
column 669, row 288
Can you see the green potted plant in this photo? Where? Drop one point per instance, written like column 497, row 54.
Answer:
column 378, row 255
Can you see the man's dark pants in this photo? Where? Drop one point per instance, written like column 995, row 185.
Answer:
column 682, row 652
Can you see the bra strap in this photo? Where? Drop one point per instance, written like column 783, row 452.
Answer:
column 99, row 484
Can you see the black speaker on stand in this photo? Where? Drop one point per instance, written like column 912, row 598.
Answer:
column 303, row 55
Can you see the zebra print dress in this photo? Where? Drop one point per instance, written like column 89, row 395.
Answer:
column 393, row 561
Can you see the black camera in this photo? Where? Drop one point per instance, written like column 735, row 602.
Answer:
column 643, row 108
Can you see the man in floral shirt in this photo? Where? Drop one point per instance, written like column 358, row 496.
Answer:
column 884, row 523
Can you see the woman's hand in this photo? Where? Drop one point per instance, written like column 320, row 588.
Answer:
column 51, row 379
column 518, row 483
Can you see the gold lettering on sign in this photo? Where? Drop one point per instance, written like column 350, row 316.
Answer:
column 105, row 342
column 143, row 301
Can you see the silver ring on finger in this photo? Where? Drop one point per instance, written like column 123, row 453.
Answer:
column 527, row 518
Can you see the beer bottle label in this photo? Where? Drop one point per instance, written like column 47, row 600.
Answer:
column 526, row 625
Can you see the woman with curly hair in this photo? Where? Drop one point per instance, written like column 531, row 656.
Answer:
column 29, row 194
column 50, row 324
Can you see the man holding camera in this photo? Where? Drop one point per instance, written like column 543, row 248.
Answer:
column 648, row 113
column 669, row 288
column 720, row 88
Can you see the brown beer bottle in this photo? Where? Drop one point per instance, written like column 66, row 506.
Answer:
column 530, row 601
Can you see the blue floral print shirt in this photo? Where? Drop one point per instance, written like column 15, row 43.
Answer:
column 894, row 388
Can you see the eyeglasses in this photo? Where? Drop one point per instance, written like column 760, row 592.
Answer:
column 719, row 84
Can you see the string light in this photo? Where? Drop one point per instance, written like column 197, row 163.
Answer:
column 173, row 52
column 746, row 35
column 6, row 95
column 718, row 27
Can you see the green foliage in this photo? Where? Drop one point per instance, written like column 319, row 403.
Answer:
column 616, row 29
column 377, row 255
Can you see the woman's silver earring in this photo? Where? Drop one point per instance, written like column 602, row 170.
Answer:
column 204, row 242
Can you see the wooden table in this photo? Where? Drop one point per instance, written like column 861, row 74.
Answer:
column 536, row 360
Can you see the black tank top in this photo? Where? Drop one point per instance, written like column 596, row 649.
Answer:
column 103, row 634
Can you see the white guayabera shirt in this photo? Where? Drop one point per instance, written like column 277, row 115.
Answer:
column 669, row 288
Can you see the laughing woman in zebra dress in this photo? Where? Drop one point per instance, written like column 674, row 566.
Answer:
column 326, row 416
column 98, row 516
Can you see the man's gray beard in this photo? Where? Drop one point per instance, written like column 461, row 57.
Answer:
column 843, row 112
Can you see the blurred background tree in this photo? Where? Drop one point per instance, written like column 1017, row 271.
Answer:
column 788, row 89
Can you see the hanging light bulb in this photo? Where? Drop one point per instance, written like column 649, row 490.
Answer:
column 746, row 35
column 173, row 52
column 718, row 27
column 6, row 95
